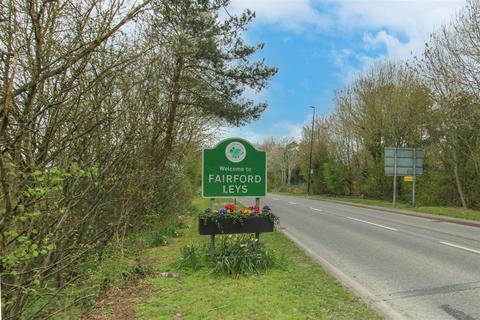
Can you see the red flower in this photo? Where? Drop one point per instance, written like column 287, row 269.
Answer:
column 230, row 207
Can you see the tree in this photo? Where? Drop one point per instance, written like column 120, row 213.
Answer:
column 388, row 106
column 320, row 152
column 207, row 63
column 282, row 161
column 450, row 66
column 104, row 106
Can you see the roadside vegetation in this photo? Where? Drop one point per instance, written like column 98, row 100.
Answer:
column 299, row 289
column 430, row 102
column 105, row 106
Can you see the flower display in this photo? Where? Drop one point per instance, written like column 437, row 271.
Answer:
column 246, row 211
column 228, row 219
column 231, row 211
column 230, row 208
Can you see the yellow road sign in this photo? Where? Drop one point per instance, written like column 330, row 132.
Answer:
column 408, row 178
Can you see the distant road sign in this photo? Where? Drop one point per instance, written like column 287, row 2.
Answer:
column 389, row 171
column 406, row 161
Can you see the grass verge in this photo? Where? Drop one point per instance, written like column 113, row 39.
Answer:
column 302, row 290
column 455, row 212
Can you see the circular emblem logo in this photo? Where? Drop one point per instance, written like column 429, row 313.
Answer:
column 235, row 152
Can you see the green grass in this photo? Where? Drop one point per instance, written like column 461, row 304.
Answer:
column 301, row 291
column 455, row 212
column 200, row 204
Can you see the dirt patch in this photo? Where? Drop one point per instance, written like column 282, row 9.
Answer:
column 150, row 261
column 118, row 303
column 178, row 316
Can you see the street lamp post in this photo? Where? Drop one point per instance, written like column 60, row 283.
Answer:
column 311, row 152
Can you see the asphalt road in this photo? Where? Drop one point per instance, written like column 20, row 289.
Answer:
column 408, row 267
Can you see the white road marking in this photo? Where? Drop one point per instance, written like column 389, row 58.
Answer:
column 459, row 247
column 373, row 224
column 276, row 199
column 320, row 210
column 292, row 202
column 349, row 282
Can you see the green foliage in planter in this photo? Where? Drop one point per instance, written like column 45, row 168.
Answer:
column 238, row 217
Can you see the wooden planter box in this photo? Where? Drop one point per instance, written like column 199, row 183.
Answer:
column 252, row 224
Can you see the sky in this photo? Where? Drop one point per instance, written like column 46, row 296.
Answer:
column 320, row 45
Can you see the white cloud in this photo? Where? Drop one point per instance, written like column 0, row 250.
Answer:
column 278, row 130
column 245, row 133
column 403, row 15
column 288, row 129
column 392, row 29
column 397, row 29
column 382, row 38
column 342, row 60
column 412, row 20
column 400, row 27
column 292, row 14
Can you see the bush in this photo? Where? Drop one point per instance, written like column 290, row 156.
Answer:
column 158, row 233
column 244, row 255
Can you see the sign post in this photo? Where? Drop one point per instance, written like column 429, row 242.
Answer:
column 232, row 169
column 406, row 162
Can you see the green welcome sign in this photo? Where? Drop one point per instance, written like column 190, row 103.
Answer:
column 234, row 168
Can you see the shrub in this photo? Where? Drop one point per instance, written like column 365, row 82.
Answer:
column 233, row 256
column 244, row 255
column 192, row 258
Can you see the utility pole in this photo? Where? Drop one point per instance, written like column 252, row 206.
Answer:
column 311, row 152
column 395, row 179
column 414, row 176
column 1, row 310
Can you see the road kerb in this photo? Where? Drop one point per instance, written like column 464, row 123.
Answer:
column 380, row 306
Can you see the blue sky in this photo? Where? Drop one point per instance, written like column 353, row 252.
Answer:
column 319, row 46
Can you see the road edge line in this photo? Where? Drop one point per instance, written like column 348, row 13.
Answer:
column 453, row 245
column 360, row 291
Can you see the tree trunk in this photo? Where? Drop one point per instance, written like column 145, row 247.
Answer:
column 458, row 181
column 289, row 175
column 172, row 112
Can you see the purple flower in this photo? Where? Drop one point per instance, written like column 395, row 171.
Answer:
column 208, row 210
column 266, row 208
column 222, row 211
